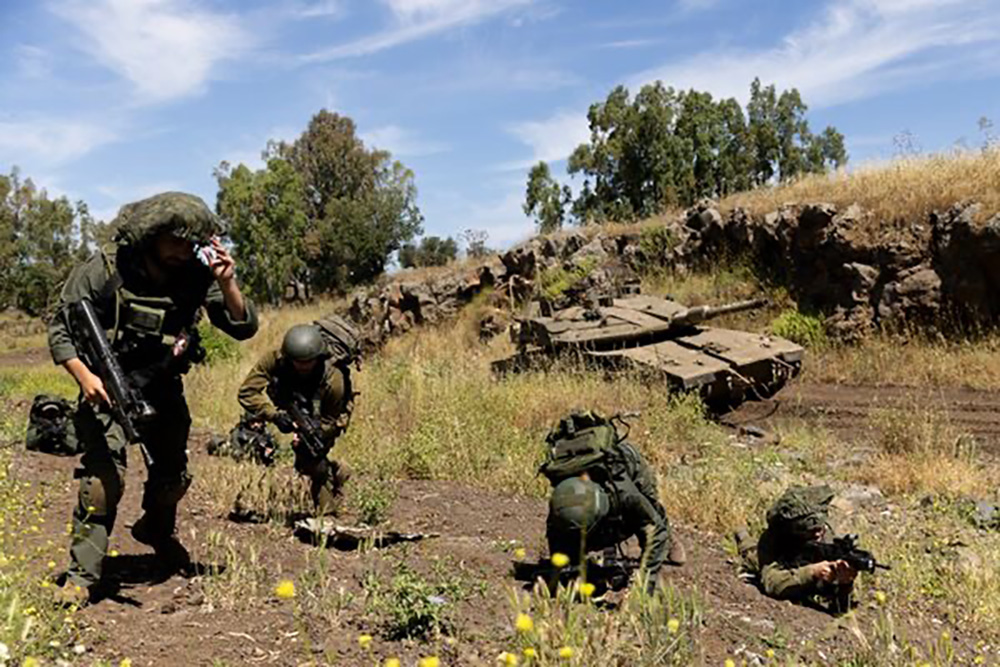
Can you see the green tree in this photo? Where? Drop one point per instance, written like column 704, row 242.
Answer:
column 40, row 240
column 432, row 251
column 545, row 200
column 350, row 208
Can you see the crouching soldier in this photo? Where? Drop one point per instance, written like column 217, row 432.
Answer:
column 797, row 556
column 146, row 294
column 604, row 493
column 308, row 376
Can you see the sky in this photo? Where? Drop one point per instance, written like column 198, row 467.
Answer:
column 110, row 101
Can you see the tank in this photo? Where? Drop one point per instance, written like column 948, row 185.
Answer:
column 659, row 336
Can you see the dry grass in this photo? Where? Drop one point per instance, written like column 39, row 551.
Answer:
column 903, row 189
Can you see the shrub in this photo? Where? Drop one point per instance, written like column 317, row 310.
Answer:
column 800, row 328
column 372, row 500
column 218, row 346
column 555, row 281
column 656, row 242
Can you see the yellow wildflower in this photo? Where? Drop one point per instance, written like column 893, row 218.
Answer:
column 126, row 662
column 285, row 589
column 431, row 661
column 673, row 625
column 729, row 662
column 566, row 652
column 113, row 553
column 769, row 653
column 560, row 560
column 391, row 662
column 523, row 623
column 530, row 653
column 587, row 589
column 51, row 564
column 520, row 553
column 880, row 597
column 30, row 661
column 508, row 659
column 364, row 641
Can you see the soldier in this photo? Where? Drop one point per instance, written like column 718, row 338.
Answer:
column 305, row 368
column 611, row 496
column 148, row 291
column 789, row 568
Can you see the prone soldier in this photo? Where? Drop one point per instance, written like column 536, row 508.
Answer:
column 305, row 388
column 146, row 293
column 798, row 557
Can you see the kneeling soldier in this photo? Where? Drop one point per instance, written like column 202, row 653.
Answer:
column 605, row 493
column 303, row 375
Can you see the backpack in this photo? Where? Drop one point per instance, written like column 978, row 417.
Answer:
column 342, row 339
column 50, row 427
column 583, row 441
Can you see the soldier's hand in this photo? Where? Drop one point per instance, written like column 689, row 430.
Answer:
column 223, row 266
column 284, row 422
column 93, row 388
column 843, row 573
column 823, row 570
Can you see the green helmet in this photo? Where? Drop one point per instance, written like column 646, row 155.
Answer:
column 578, row 504
column 303, row 342
column 801, row 509
column 183, row 215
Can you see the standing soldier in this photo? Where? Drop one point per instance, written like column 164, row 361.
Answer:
column 147, row 293
column 309, row 374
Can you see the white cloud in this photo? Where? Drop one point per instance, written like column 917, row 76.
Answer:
column 417, row 19
column 551, row 139
column 47, row 142
column 165, row 48
column 629, row 44
column 249, row 152
column 32, row 62
column 856, row 49
column 402, row 142
column 325, row 9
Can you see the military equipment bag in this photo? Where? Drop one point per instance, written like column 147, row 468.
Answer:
column 50, row 426
column 581, row 442
column 342, row 340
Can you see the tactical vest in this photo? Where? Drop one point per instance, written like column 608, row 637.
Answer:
column 145, row 327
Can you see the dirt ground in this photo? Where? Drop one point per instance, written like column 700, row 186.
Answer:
column 174, row 622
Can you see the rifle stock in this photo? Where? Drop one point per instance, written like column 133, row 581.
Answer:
column 127, row 407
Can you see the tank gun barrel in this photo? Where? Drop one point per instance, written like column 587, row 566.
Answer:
column 701, row 313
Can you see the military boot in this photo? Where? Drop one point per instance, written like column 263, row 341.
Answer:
column 155, row 528
column 327, row 488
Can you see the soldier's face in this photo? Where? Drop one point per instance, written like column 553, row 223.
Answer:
column 173, row 251
column 304, row 367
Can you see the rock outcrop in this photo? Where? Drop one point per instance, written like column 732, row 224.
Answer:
column 859, row 273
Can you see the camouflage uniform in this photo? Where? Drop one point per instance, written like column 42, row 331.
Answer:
column 785, row 571
column 328, row 390
column 635, row 510
column 126, row 299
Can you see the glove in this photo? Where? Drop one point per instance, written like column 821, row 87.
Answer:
column 284, row 422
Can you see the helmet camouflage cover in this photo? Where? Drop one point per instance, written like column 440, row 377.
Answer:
column 577, row 504
column 801, row 509
column 181, row 214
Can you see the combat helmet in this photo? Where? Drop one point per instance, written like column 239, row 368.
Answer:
column 801, row 510
column 578, row 504
column 303, row 342
column 183, row 215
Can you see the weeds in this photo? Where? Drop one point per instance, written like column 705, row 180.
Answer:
column 806, row 330
column 372, row 500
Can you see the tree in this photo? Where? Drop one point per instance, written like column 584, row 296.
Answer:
column 432, row 251
column 349, row 208
column 545, row 200
column 40, row 240
column 664, row 148
column 475, row 242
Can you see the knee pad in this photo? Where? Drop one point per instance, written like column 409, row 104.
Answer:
column 99, row 496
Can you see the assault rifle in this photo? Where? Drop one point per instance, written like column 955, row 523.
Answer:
column 127, row 406
column 845, row 548
column 306, row 427
column 610, row 574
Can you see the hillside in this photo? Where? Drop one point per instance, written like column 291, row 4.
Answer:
column 902, row 426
